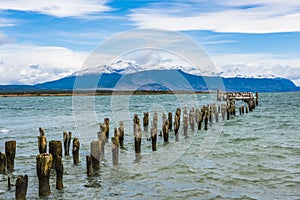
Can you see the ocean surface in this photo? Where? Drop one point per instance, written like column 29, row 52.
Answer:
column 252, row 156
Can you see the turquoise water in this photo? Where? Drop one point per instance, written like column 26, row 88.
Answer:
column 253, row 156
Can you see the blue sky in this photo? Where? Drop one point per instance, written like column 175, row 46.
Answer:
column 42, row 40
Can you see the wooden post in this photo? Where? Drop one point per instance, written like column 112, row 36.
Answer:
column 42, row 141
column 10, row 152
column 75, row 151
column 153, row 138
column 59, row 168
column 115, row 150
column 96, row 153
column 21, row 187
column 146, row 121
column 2, row 163
column 106, row 123
column 223, row 112
column 8, row 183
column 218, row 95
column 243, row 110
column 55, row 148
column 121, row 137
column 246, row 109
column 192, row 118
column 89, row 168
column 166, row 132
column 200, row 120
column 185, row 124
column 67, row 142
column 43, row 167
column 137, row 142
column 205, row 119
column 210, row 115
column 228, row 111
column 177, row 124
column 170, row 121
column 256, row 99
column 217, row 116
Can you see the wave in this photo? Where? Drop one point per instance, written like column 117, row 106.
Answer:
column 4, row 130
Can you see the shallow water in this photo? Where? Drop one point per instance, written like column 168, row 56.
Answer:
column 253, row 156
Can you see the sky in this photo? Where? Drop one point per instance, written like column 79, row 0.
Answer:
column 42, row 40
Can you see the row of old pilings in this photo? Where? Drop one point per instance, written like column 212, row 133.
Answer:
column 44, row 163
column 199, row 118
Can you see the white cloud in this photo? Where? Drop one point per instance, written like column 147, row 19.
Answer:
column 4, row 39
column 257, row 16
column 20, row 63
column 255, row 65
column 57, row 8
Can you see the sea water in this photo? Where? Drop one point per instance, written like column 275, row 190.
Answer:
column 252, row 156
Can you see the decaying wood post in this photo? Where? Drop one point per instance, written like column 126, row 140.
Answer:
column 256, row 98
column 153, row 138
column 42, row 141
column 75, row 151
column 223, row 111
column 55, row 149
column 155, row 121
column 89, row 169
column 102, row 138
column 166, row 132
column 243, row 110
column 96, row 153
column 106, row 123
column 2, row 163
column 177, row 123
column 138, row 142
column 115, row 150
column 59, row 168
column 185, row 124
column 121, row 137
column 192, row 118
column 164, row 118
column 67, row 142
column 228, row 111
column 137, row 131
column 21, row 187
column 210, row 115
column 246, row 109
column 43, row 167
column 200, row 120
column 170, row 121
column 10, row 152
column 205, row 118
column 146, row 121
column 8, row 184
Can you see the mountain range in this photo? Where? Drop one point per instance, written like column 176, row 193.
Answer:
column 153, row 80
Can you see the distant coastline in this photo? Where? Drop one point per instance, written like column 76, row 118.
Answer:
column 93, row 93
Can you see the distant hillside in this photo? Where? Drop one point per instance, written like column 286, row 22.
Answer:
column 157, row 80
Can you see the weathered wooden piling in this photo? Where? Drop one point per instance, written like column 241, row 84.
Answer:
column 228, row 111
column 243, row 110
column 96, row 147
column 115, row 150
column 55, row 149
column 170, row 121
column 256, row 98
column 192, row 118
column 42, row 141
column 106, row 123
column 2, row 163
column 138, row 142
column 218, row 95
column 153, row 138
column 185, row 124
column 75, row 151
column 177, row 124
column 89, row 169
column 146, row 121
column 10, row 152
column 43, row 167
column 102, row 138
column 59, row 168
column 21, row 187
column 246, row 109
column 166, row 132
column 210, row 115
column 67, row 141
column 8, row 184
column 205, row 118
column 223, row 111
column 121, row 136
column 200, row 120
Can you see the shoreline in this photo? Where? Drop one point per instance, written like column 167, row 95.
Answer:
column 96, row 93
